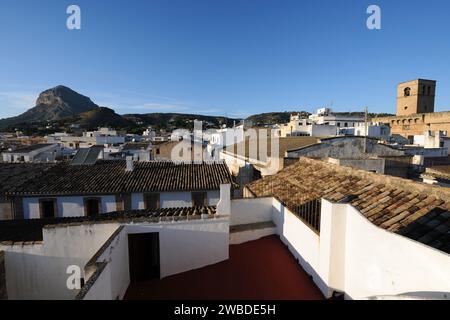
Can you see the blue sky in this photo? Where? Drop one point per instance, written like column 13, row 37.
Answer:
column 223, row 57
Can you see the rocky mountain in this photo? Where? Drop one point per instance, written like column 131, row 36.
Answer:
column 53, row 104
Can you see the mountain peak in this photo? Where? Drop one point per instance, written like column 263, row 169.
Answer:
column 54, row 104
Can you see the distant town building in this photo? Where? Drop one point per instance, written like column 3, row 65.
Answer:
column 373, row 130
column 327, row 117
column 45, row 152
column 140, row 151
column 415, row 110
column 91, row 138
column 321, row 124
column 416, row 96
column 356, row 152
column 266, row 156
column 430, row 139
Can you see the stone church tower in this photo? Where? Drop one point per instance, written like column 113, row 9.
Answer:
column 415, row 96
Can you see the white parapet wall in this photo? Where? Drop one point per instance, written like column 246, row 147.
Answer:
column 39, row 270
column 378, row 262
column 301, row 240
column 351, row 254
column 251, row 210
column 354, row 256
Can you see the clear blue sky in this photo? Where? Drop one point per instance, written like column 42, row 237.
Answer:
column 224, row 57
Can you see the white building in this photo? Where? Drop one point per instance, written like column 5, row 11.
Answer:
column 227, row 136
column 373, row 130
column 33, row 153
column 321, row 124
column 326, row 116
column 93, row 187
column 104, row 136
column 429, row 139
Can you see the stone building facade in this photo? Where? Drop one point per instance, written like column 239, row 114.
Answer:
column 415, row 96
column 417, row 124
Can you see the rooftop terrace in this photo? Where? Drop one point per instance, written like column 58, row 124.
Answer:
column 260, row 269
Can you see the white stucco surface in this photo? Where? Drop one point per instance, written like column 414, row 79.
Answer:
column 250, row 210
column 188, row 245
column 73, row 206
column 114, row 279
column 39, row 271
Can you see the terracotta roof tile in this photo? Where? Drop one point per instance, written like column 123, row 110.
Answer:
column 415, row 210
column 111, row 177
column 31, row 229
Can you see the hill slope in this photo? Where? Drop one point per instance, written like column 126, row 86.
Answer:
column 53, row 104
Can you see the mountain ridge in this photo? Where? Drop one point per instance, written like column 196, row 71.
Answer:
column 65, row 106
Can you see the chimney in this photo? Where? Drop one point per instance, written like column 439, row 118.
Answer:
column 129, row 164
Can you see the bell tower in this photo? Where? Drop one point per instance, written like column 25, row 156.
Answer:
column 415, row 96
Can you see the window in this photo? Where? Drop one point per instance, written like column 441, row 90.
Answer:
column 345, row 124
column 424, row 89
column 429, row 91
column 48, row 208
column 91, row 206
column 157, row 151
column 407, row 91
column 198, row 199
column 152, row 201
column 338, row 124
column 406, row 107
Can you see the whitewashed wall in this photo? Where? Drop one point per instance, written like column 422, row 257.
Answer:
column 114, row 279
column 175, row 199
column 67, row 206
column 251, row 210
column 302, row 241
column 74, row 206
column 354, row 256
column 187, row 245
column 39, row 271
column 378, row 262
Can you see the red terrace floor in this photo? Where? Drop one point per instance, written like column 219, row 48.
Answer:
column 261, row 269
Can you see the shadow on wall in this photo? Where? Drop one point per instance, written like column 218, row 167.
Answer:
column 185, row 247
column 279, row 220
column 38, row 277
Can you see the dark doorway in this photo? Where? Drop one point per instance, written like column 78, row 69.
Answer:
column 48, row 208
column 199, row 199
column 143, row 252
column 92, row 206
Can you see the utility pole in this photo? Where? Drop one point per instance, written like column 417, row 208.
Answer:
column 365, row 130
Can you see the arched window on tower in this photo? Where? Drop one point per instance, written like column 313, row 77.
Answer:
column 407, row 91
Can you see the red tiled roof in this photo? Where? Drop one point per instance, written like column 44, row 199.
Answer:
column 415, row 210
